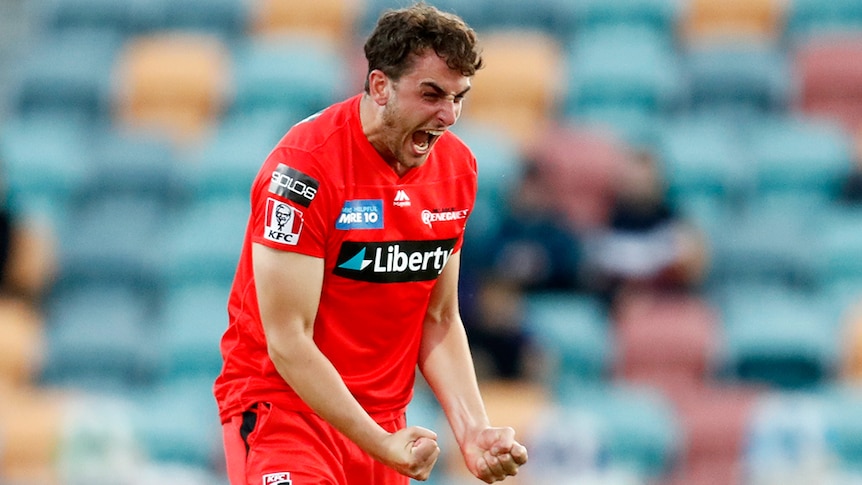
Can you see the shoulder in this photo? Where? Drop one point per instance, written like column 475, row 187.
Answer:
column 454, row 152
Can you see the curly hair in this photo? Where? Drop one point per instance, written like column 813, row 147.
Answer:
column 402, row 34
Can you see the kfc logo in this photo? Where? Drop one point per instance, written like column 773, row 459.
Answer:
column 283, row 222
column 282, row 478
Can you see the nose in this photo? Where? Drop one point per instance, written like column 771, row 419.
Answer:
column 449, row 112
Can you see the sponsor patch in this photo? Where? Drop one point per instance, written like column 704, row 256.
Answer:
column 393, row 261
column 401, row 199
column 361, row 214
column 441, row 215
column 283, row 222
column 293, row 185
column 281, row 478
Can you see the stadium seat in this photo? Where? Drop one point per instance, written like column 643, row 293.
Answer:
column 702, row 155
column 669, row 340
column 518, row 90
column 329, row 20
column 177, row 422
column 171, row 82
column 67, row 72
column 636, row 425
column 738, row 75
column 65, row 15
column 708, row 20
column 22, row 327
column 779, row 337
column 811, row 18
column 291, row 74
column 228, row 19
column 190, row 325
column 202, row 243
column 45, row 161
column 579, row 165
column 660, row 16
column 830, row 80
column 99, row 336
column 798, row 155
column 623, row 66
column 842, row 403
column 574, row 334
column 839, row 241
column 714, row 420
column 31, row 433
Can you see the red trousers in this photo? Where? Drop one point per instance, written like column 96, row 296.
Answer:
column 269, row 446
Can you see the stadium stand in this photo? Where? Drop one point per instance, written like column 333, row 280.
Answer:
column 130, row 132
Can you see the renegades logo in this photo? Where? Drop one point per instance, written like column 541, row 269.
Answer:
column 283, row 222
column 282, row 478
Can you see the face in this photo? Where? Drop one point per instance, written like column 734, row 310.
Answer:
column 417, row 109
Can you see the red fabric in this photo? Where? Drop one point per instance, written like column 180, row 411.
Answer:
column 288, row 447
column 370, row 330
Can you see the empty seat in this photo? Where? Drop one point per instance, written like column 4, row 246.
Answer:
column 330, row 20
column 45, row 160
column 228, row 19
column 842, row 406
column 798, row 155
column 291, row 74
column 22, row 327
column 172, row 83
column 574, row 334
column 625, row 67
column 810, row 18
column 192, row 321
column 636, row 425
column 702, row 155
column 658, row 15
column 188, row 256
column 745, row 76
column 578, row 165
column 106, row 15
column 67, row 72
column 706, row 20
column 665, row 339
column 99, row 337
column 828, row 71
column 518, row 89
column 227, row 161
column 778, row 337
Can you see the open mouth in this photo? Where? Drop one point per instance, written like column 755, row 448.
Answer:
column 423, row 140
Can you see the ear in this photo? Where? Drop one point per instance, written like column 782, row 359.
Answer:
column 379, row 87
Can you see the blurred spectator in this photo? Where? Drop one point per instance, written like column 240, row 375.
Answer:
column 646, row 243
column 27, row 253
column 532, row 251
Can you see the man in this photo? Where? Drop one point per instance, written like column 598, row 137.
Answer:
column 348, row 280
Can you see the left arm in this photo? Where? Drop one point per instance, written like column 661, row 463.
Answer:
column 490, row 453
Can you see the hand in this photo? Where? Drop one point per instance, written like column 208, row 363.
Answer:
column 493, row 454
column 412, row 451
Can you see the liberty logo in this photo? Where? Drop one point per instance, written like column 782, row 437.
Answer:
column 401, row 199
column 393, row 261
column 283, row 222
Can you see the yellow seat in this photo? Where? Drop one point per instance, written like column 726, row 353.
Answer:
column 22, row 343
column 519, row 86
column 174, row 83
column 706, row 20
column 332, row 19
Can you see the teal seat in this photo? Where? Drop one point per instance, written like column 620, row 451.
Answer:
column 778, row 337
column 623, row 66
column 807, row 18
column 190, row 325
column 798, row 155
column 290, row 73
column 573, row 330
column 202, row 243
column 636, row 426
column 660, row 16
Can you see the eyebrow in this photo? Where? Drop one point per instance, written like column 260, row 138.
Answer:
column 439, row 89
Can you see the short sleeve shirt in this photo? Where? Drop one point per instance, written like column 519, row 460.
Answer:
column 325, row 192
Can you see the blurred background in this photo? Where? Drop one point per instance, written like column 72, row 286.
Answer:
column 662, row 277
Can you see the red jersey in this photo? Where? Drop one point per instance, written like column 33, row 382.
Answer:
column 324, row 191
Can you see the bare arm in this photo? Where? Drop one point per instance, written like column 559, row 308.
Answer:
column 288, row 291
column 490, row 453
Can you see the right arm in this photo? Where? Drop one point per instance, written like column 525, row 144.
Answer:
column 288, row 291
